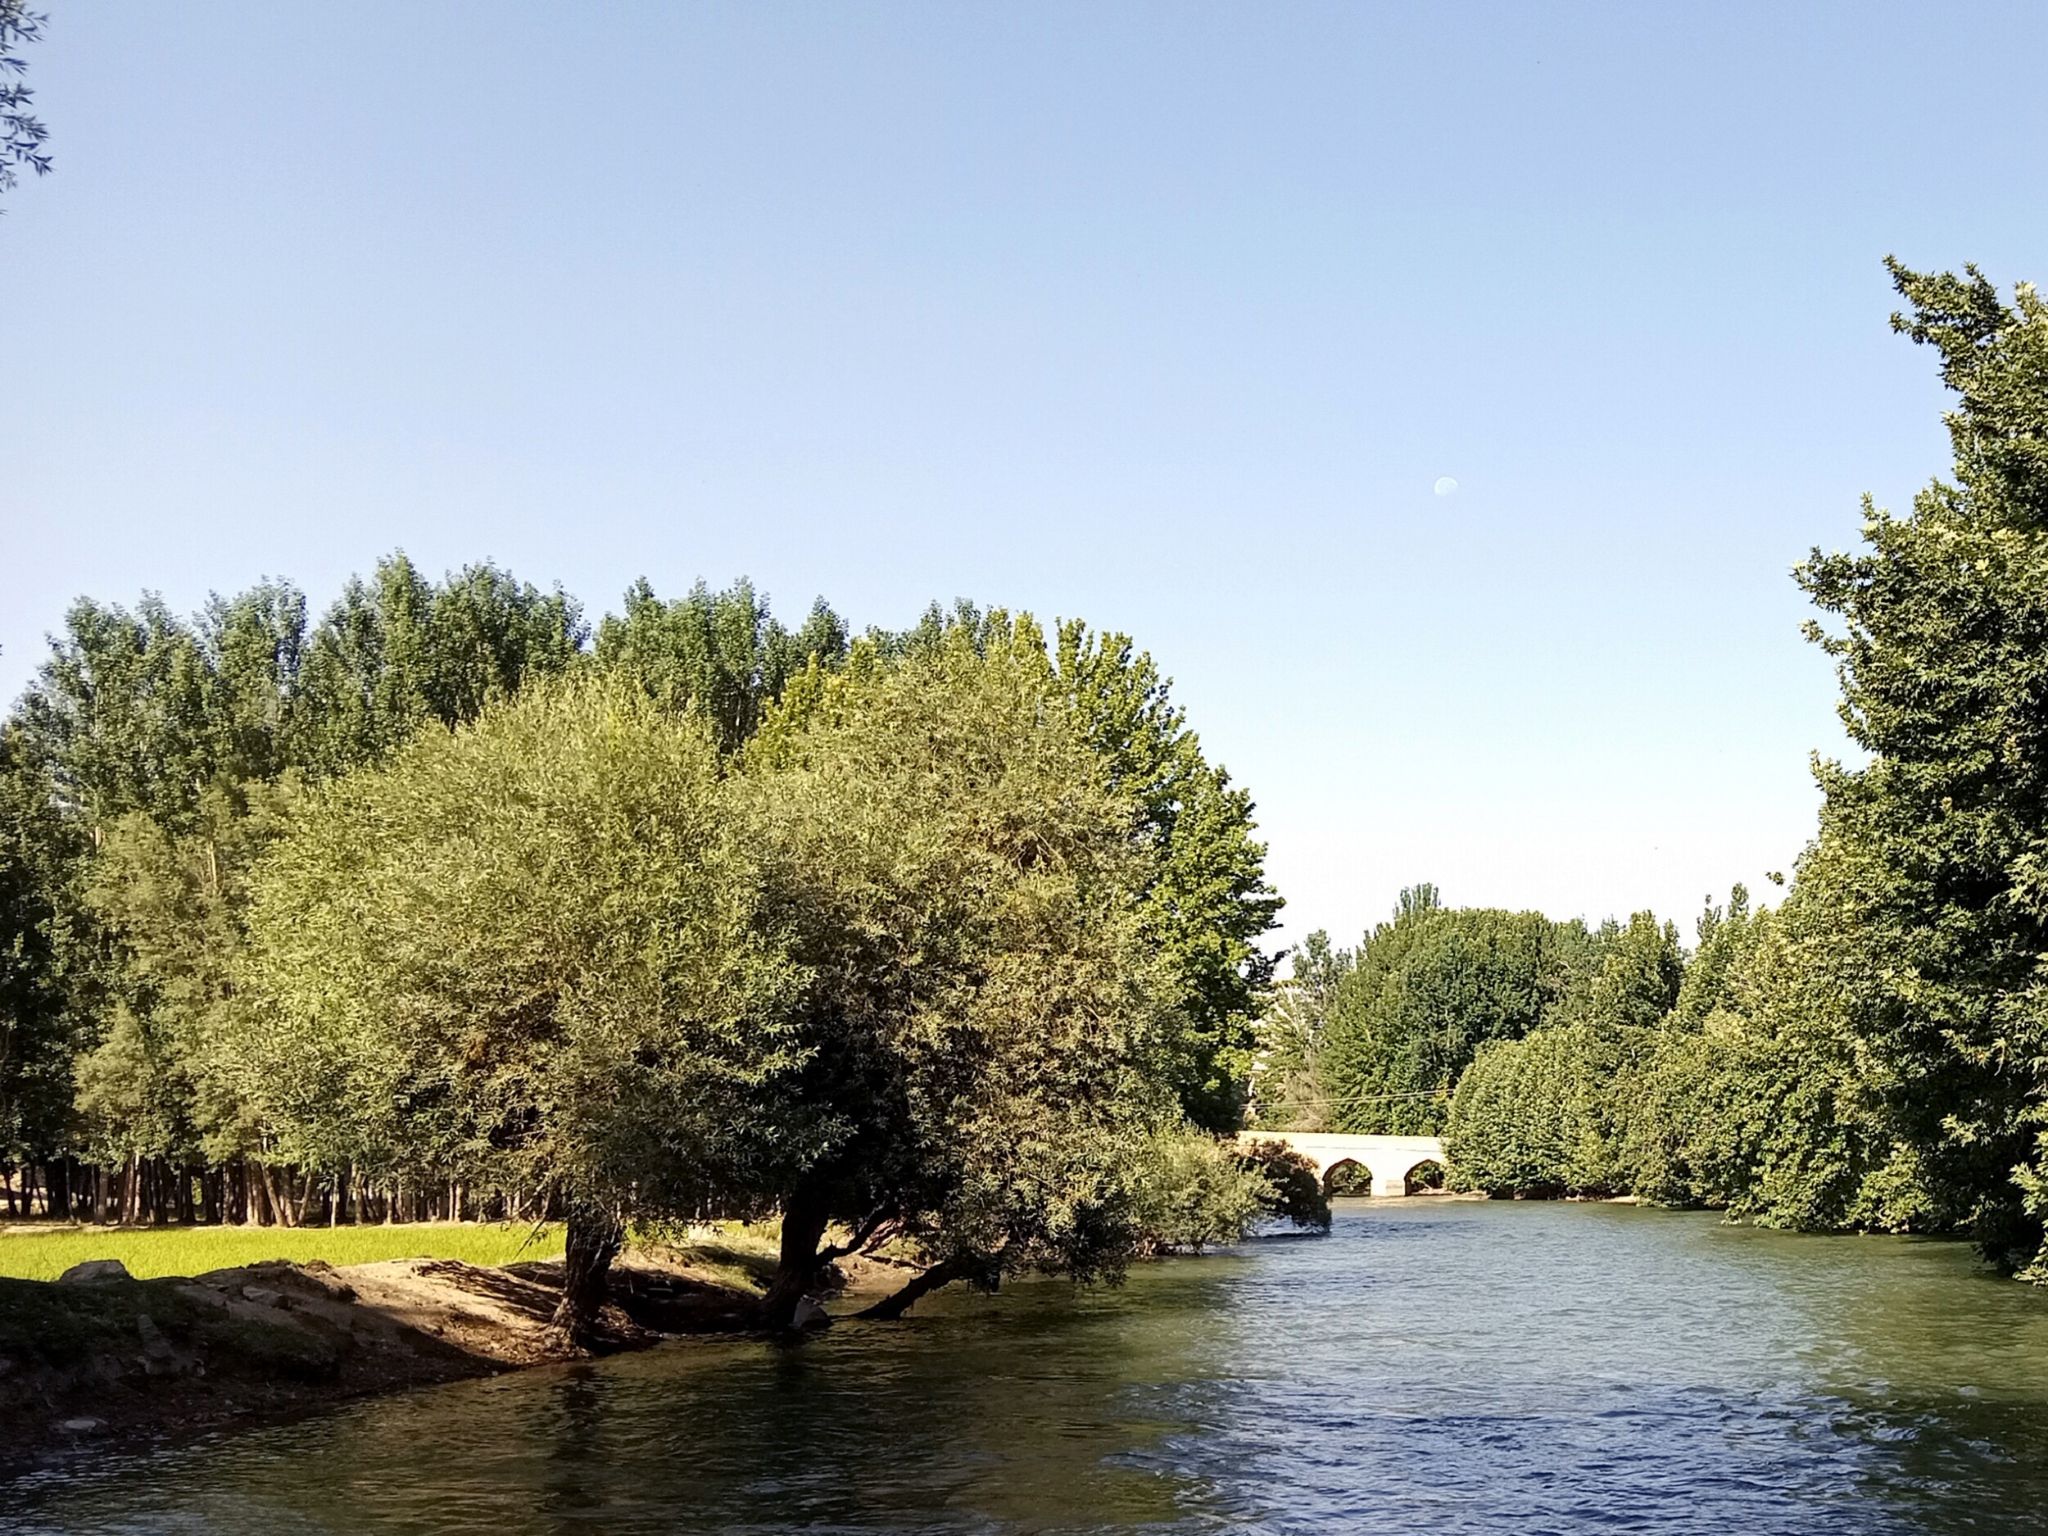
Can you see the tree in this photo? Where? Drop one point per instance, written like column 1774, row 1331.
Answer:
column 1524, row 1120
column 1293, row 1188
column 1427, row 989
column 985, row 1018
column 1193, row 1192
column 155, row 737
column 722, row 653
column 1208, row 902
column 399, row 651
column 1928, row 883
column 527, row 952
column 172, row 907
column 119, row 712
column 1548, row 1113
column 41, row 853
column 1289, row 1085
column 22, row 135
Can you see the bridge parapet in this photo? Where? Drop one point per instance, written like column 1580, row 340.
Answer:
column 1389, row 1159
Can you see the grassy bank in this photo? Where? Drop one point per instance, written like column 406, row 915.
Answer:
column 154, row 1251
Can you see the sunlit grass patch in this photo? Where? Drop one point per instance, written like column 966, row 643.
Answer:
column 152, row 1252
column 733, row 1254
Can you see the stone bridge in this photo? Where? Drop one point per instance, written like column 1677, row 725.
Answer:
column 1389, row 1159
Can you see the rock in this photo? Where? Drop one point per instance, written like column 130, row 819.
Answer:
column 83, row 1426
column 154, row 1344
column 263, row 1296
column 809, row 1314
column 160, row 1357
column 94, row 1272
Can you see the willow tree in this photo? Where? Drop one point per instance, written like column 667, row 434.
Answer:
column 984, row 1023
column 526, row 952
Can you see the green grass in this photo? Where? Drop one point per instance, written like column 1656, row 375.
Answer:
column 150, row 1252
column 740, row 1258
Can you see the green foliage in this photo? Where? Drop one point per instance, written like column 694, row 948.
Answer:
column 1293, row 1189
column 399, row 651
column 145, row 767
column 1191, row 1191
column 1925, row 888
column 1290, row 1037
column 523, row 952
column 722, row 654
column 172, row 906
column 22, row 134
column 985, row 1018
column 1206, row 902
column 927, row 933
column 1427, row 989
column 1523, row 1120
column 41, row 858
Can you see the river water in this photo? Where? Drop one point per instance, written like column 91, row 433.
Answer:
column 1432, row 1366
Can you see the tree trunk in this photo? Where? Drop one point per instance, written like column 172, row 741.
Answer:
column 804, row 1215
column 276, row 1210
column 893, row 1306
column 594, row 1238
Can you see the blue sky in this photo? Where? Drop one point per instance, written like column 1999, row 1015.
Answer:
column 1164, row 316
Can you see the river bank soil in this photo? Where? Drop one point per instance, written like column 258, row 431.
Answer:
column 114, row 1361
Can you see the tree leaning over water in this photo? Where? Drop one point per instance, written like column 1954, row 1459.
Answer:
column 891, row 968
column 985, row 1026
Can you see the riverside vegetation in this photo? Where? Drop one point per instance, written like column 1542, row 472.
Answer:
column 1870, row 1054
column 945, row 941
column 444, row 907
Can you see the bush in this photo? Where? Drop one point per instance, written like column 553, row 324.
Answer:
column 1294, row 1190
column 1190, row 1190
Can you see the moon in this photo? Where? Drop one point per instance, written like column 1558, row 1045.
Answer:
column 1446, row 486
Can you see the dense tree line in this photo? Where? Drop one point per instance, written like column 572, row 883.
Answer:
column 444, row 906
column 1873, row 1052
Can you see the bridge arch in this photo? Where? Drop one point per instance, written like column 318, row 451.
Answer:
column 1429, row 1174
column 1342, row 1175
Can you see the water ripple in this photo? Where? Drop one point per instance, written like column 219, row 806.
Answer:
column 1434, row 1366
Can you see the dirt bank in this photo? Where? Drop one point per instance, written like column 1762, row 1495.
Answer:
column 121, row 1361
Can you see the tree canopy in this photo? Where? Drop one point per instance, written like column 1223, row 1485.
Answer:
column 437, row 905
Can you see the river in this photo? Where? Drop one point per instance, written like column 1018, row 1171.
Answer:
column 1432, row 1366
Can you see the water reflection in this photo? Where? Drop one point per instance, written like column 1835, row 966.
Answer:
column 1433, row 1366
